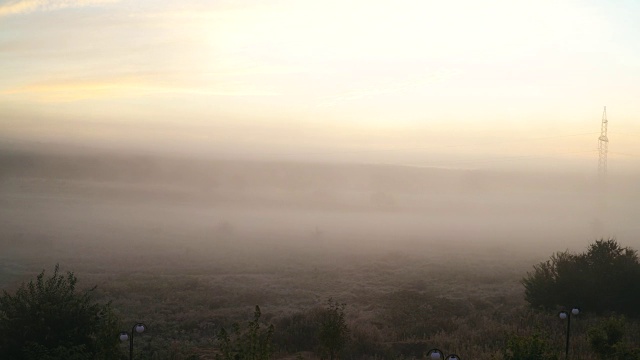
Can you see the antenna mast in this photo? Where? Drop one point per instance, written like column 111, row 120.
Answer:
column 603, row 148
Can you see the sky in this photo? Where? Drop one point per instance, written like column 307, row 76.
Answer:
column 404, row 81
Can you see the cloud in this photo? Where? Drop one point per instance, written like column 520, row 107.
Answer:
column 134, row 86
column 29, row 6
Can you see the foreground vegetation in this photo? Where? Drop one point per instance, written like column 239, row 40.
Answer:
column 47, row 319
column 385, row 305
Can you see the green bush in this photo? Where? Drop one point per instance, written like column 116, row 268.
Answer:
column 532, row 347
column 606, row 278
column 334, row 332
column 607, row 340
column 47, row 319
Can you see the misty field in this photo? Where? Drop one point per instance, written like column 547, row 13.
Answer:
column 422, row 258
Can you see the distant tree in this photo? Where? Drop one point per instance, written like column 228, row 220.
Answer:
column 48, row 319
column 606, row 278
column 251, row 343
column 334, row 332
column 532, row 347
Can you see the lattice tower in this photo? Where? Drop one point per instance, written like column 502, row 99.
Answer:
column 603, row 148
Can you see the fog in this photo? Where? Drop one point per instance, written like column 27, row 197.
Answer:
column 189, row 244
column 55, row 201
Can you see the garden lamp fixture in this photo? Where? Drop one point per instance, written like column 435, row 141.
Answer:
column 437, row 354
column 138, row 328
column 567, row 315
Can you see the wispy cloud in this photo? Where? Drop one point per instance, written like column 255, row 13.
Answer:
column 28, row 6
column 78, row 90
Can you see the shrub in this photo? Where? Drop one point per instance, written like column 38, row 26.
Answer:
column 607, row 339
column 606, row 278
column 334, row 332
column 532, row 347
column 47, row 319
column 249, row 344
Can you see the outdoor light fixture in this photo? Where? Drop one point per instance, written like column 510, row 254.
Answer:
column 566, row 315
column 124, row 336
column 437, row 354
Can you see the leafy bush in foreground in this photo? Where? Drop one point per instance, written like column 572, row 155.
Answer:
column 533, row 347
column 607, row 339
column 334, row 332
column 47, row 319
column 249, row 344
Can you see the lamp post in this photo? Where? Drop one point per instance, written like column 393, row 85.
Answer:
column 437, row 354
column 124, row 336
column 567, row 315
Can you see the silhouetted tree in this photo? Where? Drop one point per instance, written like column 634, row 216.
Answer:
column 48, row 319
column 603, row 279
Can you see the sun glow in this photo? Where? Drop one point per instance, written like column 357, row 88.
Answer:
column 314, row 68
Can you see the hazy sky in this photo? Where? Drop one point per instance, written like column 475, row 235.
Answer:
column 335, row 78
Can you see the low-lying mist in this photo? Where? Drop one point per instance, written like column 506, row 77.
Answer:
column 216, row 207
column 423, row 257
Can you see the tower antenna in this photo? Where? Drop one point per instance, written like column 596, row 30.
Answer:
column 603, row 149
